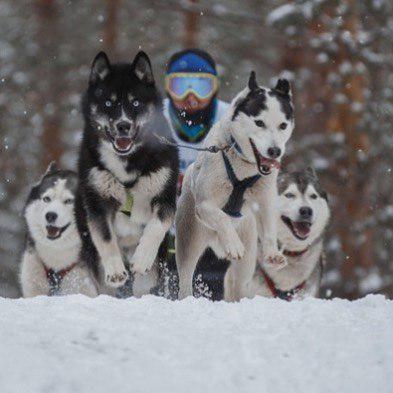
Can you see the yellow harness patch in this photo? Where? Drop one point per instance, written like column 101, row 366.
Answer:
column 127, row 207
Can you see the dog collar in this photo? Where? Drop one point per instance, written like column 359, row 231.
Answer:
column 278, row 293
column 290, row 253
column 55, row 278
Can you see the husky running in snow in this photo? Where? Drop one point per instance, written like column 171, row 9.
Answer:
column 304, row 216
column 215, row 206
column 51, row 264
column 127, row 190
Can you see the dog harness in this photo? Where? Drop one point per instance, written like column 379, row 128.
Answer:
column 127, row 207
column 55, row 278
column 236, row 199
column 278, row 293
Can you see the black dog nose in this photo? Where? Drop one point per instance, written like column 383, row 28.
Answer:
column 51, row 217
column 123, row 126
column 305, row 212
column 274, row 152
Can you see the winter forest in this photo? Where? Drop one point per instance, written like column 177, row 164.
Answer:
column 337, row 55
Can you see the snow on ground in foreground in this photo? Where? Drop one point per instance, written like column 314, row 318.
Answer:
column 75, row 344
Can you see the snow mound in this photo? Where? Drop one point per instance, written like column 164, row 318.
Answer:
column 80, row 345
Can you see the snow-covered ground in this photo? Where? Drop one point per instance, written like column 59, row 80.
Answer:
column 75, row 344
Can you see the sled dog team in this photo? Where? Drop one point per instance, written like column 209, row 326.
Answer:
column 106, row 227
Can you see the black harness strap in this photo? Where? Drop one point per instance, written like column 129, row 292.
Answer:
column 236, row 199
column 54, row 280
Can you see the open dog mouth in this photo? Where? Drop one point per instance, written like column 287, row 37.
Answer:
column 299, row 229
column 264, row 164
column 122, row 144
column 54, row 232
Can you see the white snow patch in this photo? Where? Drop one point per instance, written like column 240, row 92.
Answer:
column 80, row 345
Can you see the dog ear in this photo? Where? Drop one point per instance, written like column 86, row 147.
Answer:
column 252, row 81
column 311, row 171
column 142, row 68
column 100, row 67
column 283, row 87
column 52, row 168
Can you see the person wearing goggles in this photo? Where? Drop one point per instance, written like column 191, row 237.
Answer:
column 191, row 106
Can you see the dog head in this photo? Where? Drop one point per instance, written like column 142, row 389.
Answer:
column 262, row 122
column 49, row 210
column 119, row 101
column 304, row 210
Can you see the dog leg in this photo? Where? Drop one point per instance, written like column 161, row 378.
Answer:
column 268, row 217
column 32, row 276
column 190, row 241
column 104, row 239
column 241, row 272
column 215, row 219
column 147, row 249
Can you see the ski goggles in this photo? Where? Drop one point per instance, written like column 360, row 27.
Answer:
column 180, row 84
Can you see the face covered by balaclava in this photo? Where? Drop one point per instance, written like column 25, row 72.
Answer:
column 183, row 68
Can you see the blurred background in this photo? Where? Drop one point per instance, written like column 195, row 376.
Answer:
column 338, row 55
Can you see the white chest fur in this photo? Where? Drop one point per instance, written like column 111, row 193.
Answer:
column 58, row 258
column 145, row 189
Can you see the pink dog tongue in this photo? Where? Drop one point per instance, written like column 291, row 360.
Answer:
column 302, row 228
column 52, row 231
column 269, row 162
column 123, row 143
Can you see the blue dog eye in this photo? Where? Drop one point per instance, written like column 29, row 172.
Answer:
column 289, row 195
column 108, row 103
column 135, row 103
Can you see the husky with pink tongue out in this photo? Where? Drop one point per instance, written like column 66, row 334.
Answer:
column 127, row 190
column 51, row 263
column 304, row 215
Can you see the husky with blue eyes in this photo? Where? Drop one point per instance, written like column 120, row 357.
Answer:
column 219, row 191
column 127, row 178
column 304, row 216
column 51, row 263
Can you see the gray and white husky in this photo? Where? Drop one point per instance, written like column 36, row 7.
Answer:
column 51, row 263
column 219, row 190
column 304, row 216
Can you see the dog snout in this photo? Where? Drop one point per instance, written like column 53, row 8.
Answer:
column 305, row 212
column 123, row 127
column 274, row 152
column 51, row 217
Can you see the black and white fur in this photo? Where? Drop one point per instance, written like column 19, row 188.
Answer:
column 304, row 216
column 257, row 126
column 119, row 152
column 53, row 241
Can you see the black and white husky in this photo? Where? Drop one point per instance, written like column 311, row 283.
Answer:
column 51, row 262
column 304, row 216
column 219, row 190
column 127, row 189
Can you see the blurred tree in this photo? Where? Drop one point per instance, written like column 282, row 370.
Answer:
column 50, row 89
column 191, row 25
column 333, row 54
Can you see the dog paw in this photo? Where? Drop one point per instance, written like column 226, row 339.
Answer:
column 233, row 247
column 277, row 260
column 116, row 279
column 141, row 264
column 115, row 274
